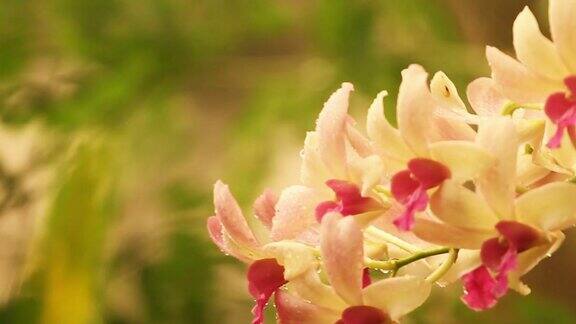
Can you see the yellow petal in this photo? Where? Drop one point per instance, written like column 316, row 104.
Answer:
column 294, row 212
column 295, row 310
column 385, row 138
column 341, row 246
column 563, row 28
column 464, row 159
column 397, row 296
column 296, row 257
column 444, row 91
column 446, row 235
column 516, row 82
column 461, row 207
column 310, row 287
column 534, row 50
column 497, row 183
column 413, row 109
column 331, row 129
column 550, row 207
column 484, row 97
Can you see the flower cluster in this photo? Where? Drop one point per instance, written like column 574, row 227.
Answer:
column 379, row 217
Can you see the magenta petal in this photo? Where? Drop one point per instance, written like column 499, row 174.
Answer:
column 417, row 202
column 403, row 185
column 570, row 82
column 557, row 105
column 350, row 198
column 555, row 141
column 364, row 315
column 366, row 279
column 325, row 207
column 264, row 277
column 480, row 289
column 519, row 235
column 428, row 172
column 501, row 285
column 492, row 252
column 509, row 262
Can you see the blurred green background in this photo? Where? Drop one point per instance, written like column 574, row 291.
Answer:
column 119, row 115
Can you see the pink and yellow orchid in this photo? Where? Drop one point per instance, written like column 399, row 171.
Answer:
column 376, row 220
column 433, row 147
column 512, row 232
column 349, row 297
column 545, row 72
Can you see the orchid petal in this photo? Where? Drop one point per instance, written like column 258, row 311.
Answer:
column 341, row 247
column 295, row 310
column 484, row 97
column 309, row 287
column 294, row 212
column 452, row 236
column 563, row 156
column 534, row 50
column 358, row 141
column 313, row 172
column 264, row 278
column 460, row 207
column 231, row 216
column 428, row 172
column 362, row 314
column 464, row 159
column 497, row 183
column 529, row 259
column 529, row 172
column 368, row 172
column 519, row 235
column 550, row 207
column 444, row 91
column 220, row 238
column 413, row 109
column 397, row 296
column 479, row 289
column 385, row 138
column 515, row 81
column 331, row 129
column 264, row 207
column 296, row 257
column 563, row 28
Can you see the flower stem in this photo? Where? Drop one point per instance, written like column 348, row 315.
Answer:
column 379, row 235
column 444, row 267
column 396, row 264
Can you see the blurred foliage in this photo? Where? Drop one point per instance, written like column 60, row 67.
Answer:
column 164, row 96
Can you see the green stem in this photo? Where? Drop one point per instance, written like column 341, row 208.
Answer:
column 444, row 267
column 396, row 264
column 377, row 234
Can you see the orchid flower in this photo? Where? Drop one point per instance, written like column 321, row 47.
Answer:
column 349, row 297
column 338, row 173
column 545, row 72
column 432, row 147
column 513, row 233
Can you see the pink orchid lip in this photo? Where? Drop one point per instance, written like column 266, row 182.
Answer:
column 366, row 278
column 349, row 201
column 560, row 107
column 481, row 290
column 364, row 315
column 264, row 278
column 489, row 282
column 409, row 188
